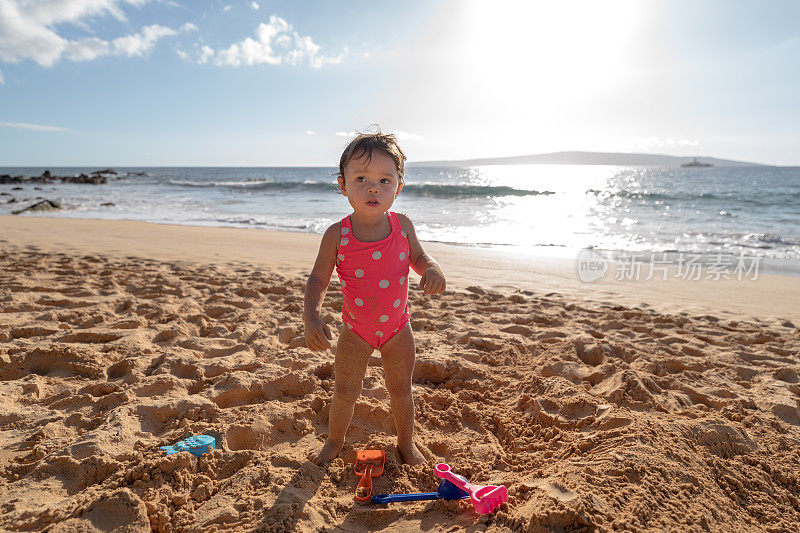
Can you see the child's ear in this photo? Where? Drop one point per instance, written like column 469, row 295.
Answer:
column 399, row 188
column 341, row 185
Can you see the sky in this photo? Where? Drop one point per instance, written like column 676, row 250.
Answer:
column 258, row 83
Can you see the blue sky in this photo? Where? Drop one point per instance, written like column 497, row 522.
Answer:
column 243, row 83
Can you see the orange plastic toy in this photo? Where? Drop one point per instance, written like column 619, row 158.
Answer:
column 369, row 464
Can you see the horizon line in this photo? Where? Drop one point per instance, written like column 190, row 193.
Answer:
column 439, row 162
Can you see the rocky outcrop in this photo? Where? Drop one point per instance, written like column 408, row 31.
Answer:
column 44, row 205
column 46, row 177
column 83, row 178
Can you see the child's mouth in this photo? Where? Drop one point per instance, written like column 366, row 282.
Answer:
column 372, row 203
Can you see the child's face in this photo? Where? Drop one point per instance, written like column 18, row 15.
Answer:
column 371, row 187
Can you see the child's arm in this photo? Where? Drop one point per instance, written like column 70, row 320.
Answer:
column 432, row 280
column 318, row 335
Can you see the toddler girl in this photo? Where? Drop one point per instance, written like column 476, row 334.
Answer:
column 371, row 249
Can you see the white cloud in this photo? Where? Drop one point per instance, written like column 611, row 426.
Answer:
column 2, row 80
column 405, row 136
column 227, row 8
column 86, row 49
column 309, row 132
column 276, row 43
column 206, row 53
column 139, row 44
column 35, row 127
column 28, row 31
column 254, row 6
column 401, row 135
column 648, row 144
column 183, row 55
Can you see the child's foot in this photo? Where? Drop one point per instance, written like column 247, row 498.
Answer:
column 411, row 454
column 329, row 451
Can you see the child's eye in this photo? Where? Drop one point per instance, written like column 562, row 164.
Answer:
column 360, row 178
column 385, row 180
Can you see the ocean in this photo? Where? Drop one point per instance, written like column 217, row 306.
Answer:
column 754, row 211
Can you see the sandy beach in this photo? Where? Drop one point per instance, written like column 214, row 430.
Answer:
column 641, row 406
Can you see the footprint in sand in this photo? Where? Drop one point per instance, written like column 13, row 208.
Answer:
column 212, row 347
column 556, row 491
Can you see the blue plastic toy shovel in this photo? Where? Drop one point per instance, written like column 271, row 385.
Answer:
column 447, row 491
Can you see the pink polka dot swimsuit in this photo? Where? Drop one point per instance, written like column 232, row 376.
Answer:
column 374, row 278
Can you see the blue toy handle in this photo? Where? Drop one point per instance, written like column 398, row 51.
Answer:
column 389, row 498
column 447, row 491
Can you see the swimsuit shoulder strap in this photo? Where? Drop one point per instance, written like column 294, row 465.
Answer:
column 345, row 222
column 395, row 222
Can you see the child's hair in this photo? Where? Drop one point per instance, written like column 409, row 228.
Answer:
column 365, row 143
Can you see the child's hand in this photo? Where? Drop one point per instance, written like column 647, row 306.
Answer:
column 432, row 280
column 318, row 335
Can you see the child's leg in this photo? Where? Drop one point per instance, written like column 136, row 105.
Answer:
column 352, row 356
column 398, row 366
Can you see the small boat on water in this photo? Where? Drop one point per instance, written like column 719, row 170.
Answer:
column 696, row 164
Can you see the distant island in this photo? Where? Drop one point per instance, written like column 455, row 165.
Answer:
column 588, row 158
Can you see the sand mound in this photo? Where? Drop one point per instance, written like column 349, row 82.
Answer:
column 594, row 416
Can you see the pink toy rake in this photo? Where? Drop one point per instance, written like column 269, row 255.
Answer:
column 485, row 498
